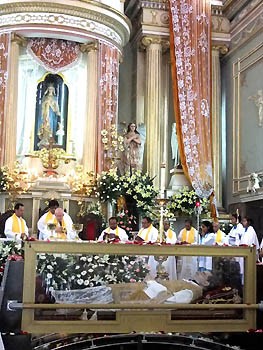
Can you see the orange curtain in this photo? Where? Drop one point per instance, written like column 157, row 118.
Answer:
column 190, row 35
column 108, row 97
column 4, row 51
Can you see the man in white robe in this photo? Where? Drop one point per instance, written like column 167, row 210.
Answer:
column 113, row 231
column 63, row 228
column 148, row 233
column 187, row 265
column 47, row 218
column 15, row 225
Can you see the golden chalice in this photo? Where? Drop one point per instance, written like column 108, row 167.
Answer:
column 51, row 227
column 161, row 273
column 77, row 228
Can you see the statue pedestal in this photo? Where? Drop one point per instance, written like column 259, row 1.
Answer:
column 178, row 181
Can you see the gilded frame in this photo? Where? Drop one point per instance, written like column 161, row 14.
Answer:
column 157, row 316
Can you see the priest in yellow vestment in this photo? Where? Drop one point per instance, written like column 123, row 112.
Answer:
column 15, row 225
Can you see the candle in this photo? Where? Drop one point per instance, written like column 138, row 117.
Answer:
column 162, row 180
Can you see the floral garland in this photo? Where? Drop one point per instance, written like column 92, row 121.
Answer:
column 139, row 185
column 185, row 202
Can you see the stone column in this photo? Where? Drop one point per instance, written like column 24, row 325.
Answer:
column 10, row 126
column 153, row 106
column 35, row 215
column 90, row 145
column 216, row 121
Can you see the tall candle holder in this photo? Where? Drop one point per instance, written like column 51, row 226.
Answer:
column 161, row 203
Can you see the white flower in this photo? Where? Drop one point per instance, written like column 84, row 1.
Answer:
column 86, row 282
column 49, row 275
column 83, row 273
column 80, row 281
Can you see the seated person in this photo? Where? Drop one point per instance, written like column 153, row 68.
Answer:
column 113, row 232
column 15, row 225
column 63, row 228
column 48, row 217
column 148, row 233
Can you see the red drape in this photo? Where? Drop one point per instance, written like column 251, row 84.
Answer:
column 190, row 33
column 108, row 97
column 54, row 54
column 4, row 51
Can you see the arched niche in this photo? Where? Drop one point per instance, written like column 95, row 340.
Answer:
column 51, row 113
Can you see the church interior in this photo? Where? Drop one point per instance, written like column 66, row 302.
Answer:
column 131, row 174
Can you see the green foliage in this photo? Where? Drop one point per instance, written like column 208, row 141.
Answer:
column 184, row 203
column 138, row 185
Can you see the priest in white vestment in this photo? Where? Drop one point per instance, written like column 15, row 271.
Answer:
column 187, row 264
column 113, row 231
column 148, row 233
column 220, row 236
column 63, row 223
column 15, row 225
column 47, row 218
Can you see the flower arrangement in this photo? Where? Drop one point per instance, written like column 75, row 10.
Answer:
column 140, row 187
column 76, row 272
column 110, row 186
column 126, row 221
column 184, row 203
column 9, row 250
column 14, row 180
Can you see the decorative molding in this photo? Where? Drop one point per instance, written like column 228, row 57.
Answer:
column 155, row 4
column 251, row 5
column 19, row 39
column 146, row 41
column 91, row 18
column 240, row 35
column 223, row 49
column 240, row 67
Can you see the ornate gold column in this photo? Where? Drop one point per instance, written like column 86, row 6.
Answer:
column 153, row 105
column 216, row 120
column 90, row 146
column 10, row 129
